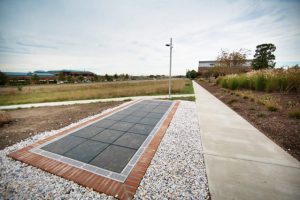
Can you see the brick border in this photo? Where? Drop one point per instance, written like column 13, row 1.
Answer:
column 85, row 178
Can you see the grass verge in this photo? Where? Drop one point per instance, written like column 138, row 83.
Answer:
column 65, row 92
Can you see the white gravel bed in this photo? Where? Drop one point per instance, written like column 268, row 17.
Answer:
column 177, row 170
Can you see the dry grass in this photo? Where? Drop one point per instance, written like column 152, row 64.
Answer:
column 271, row 103
column 50, row 93
column 4, row 118
column 271, row 80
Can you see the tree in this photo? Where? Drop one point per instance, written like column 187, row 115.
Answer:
column 191, row 74
column 108, row 78
column 61, row 76
column 126, row 77
column 232, row 59
column 3, row 78
column 80, row 78
column 95, row 78
column 35, row 79
column 264, row 57
column 116, row 76
column 70, row 79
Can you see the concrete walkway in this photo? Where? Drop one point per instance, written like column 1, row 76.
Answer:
column 60, row 103
column 241, row 162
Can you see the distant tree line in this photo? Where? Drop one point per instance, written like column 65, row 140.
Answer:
column 62, row 78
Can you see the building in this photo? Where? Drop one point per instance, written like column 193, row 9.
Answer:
column 204, row 66
column 74, row 73
column 15, row 78
column 45, row 77
column 18, row 77
column 26, row 77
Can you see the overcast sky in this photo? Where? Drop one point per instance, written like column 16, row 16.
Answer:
column 129, row 36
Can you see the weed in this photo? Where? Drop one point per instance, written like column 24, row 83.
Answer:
column 294, row 114
column 19, row 88
column 231, row 101
column 269, row 102
column 251, row 108
column 261, row 114
column 272, row 108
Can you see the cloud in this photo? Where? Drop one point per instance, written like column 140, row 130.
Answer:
column 130, row 36
column 36, row 45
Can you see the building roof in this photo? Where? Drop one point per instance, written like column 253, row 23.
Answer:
column 214, row 61
column 43, row 74
column 22, row 74
column 69, row 70
column 14, row 74
column 208, row 61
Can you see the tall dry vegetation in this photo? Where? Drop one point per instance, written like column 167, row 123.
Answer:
column 48, row 93
column 271, row 80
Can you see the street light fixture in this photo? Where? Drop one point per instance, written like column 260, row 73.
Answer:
column 171, row 47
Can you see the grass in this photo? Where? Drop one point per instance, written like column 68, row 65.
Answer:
column 231, row 101
column 294, row 114
column 4, row 118
column 271, row 103
column 261, row 114
column 191, row 98
column 273, row 80
column 64, row 92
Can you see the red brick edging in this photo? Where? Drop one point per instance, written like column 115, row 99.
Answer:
column 88, row 179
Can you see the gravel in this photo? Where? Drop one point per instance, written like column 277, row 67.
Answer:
column 177, row 170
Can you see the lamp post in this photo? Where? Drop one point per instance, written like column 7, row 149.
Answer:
column 171, row 47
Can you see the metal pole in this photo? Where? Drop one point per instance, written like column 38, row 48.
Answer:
column 170, row 68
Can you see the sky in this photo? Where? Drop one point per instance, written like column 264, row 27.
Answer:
column 129, row 36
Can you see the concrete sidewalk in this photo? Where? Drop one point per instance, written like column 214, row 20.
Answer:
column 241, row 162
column 61, row 103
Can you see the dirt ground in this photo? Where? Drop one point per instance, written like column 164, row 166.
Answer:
column 31, row 121
column 278, row 126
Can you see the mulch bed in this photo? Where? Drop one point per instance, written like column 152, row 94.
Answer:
column 276, row 125
column 31, row 121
